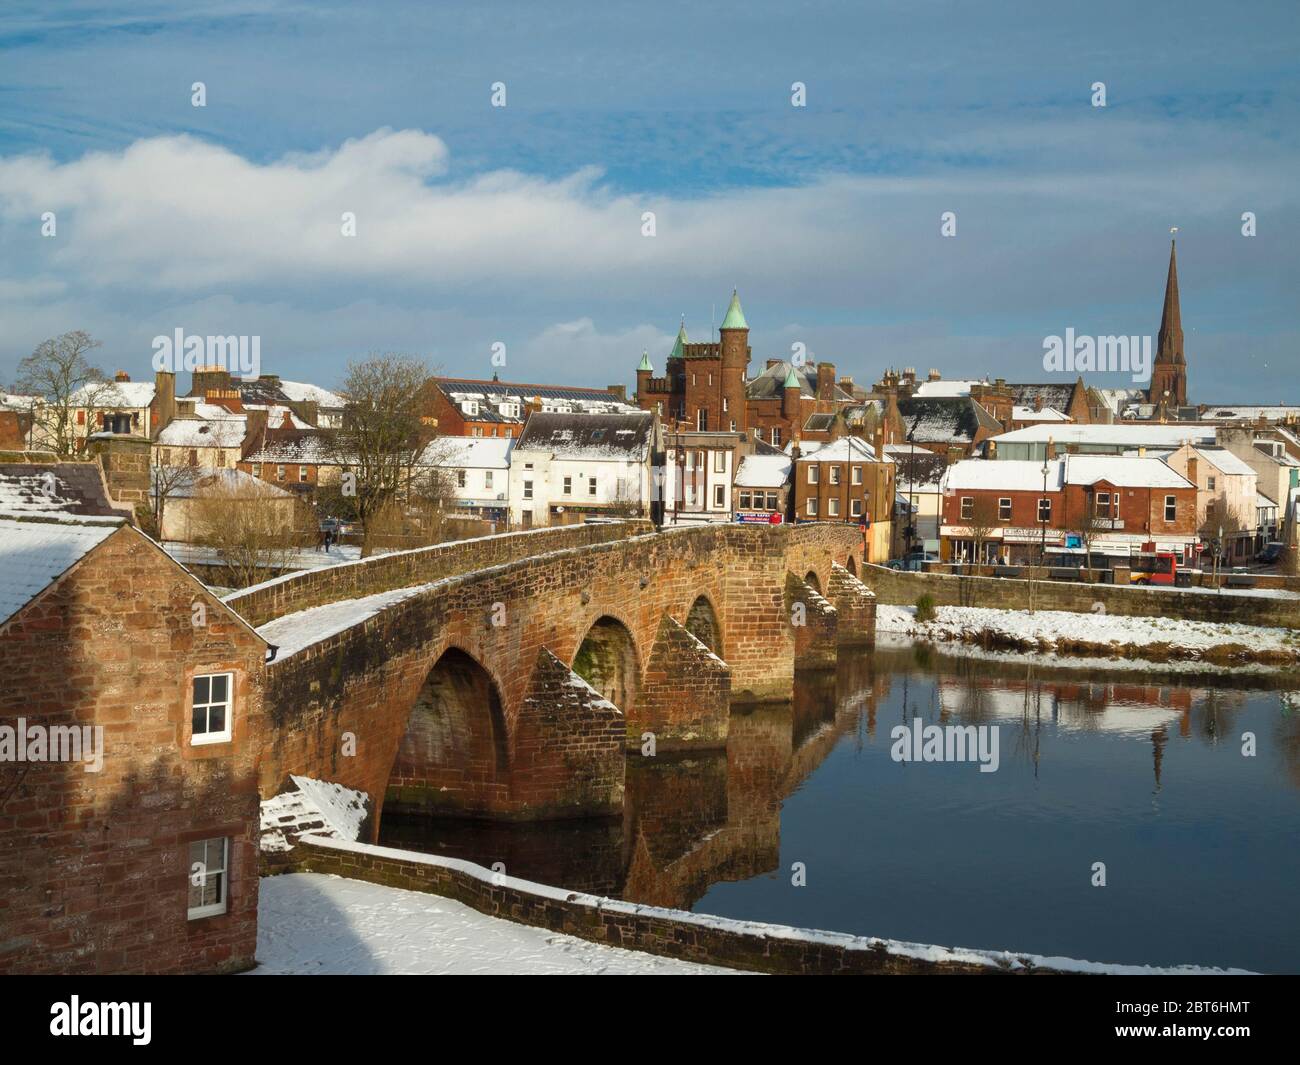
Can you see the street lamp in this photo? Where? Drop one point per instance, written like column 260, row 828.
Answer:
column 1042, row 545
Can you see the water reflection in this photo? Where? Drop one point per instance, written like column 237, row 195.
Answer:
column 945, row 854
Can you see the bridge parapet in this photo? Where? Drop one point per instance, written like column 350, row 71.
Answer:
column 402, row 569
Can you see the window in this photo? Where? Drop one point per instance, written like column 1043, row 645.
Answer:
column 1171, row 508
column 302, row 473
column 591, row 486
column 1004, row 509
column 835, row 474
column 690, row 460
column 725, row 408
column 967, row 508
column 207, row 877
column 719, row 462
column 857, row 474
column 460, row 478
column 814, row 473
column 702, row 420
column 690, row 494
column 1102, row 506
column 812, row 508
column 855, row 508
column 487, row 479
column 833, row 508
column 1209, row 483
column 528, row 489
column 210, row 708
column 719, row 496
column 476, row 431
column 776, row 437
column 279, row 472
column 568, row 486
column 693, row 381
column 257, row 469
column 1044, row 510
column 771, row 500
column 744, row 500
column 733, row 425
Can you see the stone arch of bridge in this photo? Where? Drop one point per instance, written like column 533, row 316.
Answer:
column 454, row 752
column 852, row 565
column 608, row 659
column 813, row 581
column 703, row 623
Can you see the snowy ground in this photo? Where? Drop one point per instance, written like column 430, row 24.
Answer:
column 1258, row 593
column 293, row 632
column 1053, row 626
column 310, row 923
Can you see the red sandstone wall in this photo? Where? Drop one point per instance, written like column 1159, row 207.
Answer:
column 93, row 866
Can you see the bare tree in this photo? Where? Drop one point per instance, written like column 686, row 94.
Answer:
column 1087, row 525
column 166, row 482
column 58, row 372
column 253, row 530
column 981, row 525
column 383, row 433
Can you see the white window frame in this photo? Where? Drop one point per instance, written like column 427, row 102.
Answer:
column 1004, row 508
column 855, row 508
column 209, row 909
column 460, row 478
column 857, row 474
column 810, row 508
column 528, row 489
column 568, row 486
column 302, row 473
column 198, row 739
column 967, row 508
column 1171, row 508
column 832, row 508
column 814, row 473
column 1044, row 504
column 719, row 462
column 720, row 497
column 835, row 474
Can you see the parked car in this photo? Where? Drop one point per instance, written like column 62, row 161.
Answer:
column 1270, row 553
column 913, row 562
column 338, row 526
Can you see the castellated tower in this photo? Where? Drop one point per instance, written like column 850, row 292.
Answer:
column 734, row 333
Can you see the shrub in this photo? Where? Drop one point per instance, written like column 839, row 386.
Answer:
column 925, row 608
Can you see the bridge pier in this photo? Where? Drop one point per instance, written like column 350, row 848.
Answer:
column 686, row 695
column 815, row 622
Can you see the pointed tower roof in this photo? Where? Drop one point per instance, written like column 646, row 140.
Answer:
column 679, row 346
column 735, row 316
column 645, row 362
column 1169, row 346
column 791, row 379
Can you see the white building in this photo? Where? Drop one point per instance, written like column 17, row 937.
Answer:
column 568, row 467
column 477, row 472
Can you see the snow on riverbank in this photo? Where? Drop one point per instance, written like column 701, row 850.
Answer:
column 1053, row 628
column 311, row 923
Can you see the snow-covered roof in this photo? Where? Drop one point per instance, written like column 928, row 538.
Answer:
column 589, row 436
column 1046, row 414
column 763, row 471
column 933, row 389
column 845, row 449
column 1263, row 502
column 1123, row 472
column 301, row 392
column 189, row 481
column 468, row 452
column 308, row 448
column 1020, row 475
column 200, row 432
column 33, row 554
column 1270, row 412
column 73, row 491
column 1135, row 435
column 1225, row 461
column 112, row 394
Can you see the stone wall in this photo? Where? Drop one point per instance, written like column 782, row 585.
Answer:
column 94, row 865
column 298, row 591
column 904, row 588
column 670, row 933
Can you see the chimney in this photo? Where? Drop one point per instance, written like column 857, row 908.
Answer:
column 254, row 432
column 1038, row 403
column 825, row 380
column 1192, row 470
column 773, row 362
column 163, row 408
column 619, row 392
column 934, row 375
column 1049, row 452
column 121, row 377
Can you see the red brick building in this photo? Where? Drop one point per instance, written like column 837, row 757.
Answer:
column 847, row 481
column 1016, row 510
column 706, row 388
column 462, row 406
column 128, row 788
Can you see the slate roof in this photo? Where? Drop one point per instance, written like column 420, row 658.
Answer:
column 1052, row 395
column 193, row 480
column 303, row 447
column 34, row 554
column 947, row 419
column 615, row 436
column 55, row 489
column 270, row 391
column 845, row 449
column 202, row 432
column 770, row 384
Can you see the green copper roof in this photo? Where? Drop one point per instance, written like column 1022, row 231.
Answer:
column 735, row 316
column 791, row 381
column 645, row 362
column 679, row 350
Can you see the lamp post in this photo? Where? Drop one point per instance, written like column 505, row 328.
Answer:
column 1042, row 544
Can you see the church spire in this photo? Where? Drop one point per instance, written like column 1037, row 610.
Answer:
column 1169, row 347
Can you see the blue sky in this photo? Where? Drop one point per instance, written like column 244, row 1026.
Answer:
column 522, row 224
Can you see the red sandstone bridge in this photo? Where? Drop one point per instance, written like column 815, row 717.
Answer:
column 505, row 677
